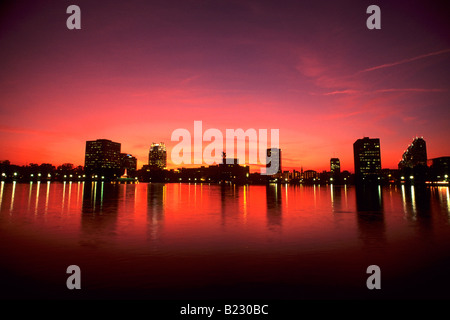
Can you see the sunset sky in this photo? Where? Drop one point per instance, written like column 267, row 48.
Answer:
column 138, row 70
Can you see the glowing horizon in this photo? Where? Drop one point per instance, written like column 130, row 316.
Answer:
column 137, row 71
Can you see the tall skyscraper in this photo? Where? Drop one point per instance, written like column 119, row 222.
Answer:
column 335, row 166
column 367, row 158
column 157, row 156
column 102, row 158
column 415, row 154
column 273, row 162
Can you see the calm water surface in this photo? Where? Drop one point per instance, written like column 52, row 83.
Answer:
column 170, row 241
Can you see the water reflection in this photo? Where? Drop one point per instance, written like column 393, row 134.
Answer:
column 12, row 197
column 370, row 216
column 443, row 197
column 47, row 196
column 274, row 206
column 2, row 186
column 156, row 197
column 36, row 204
column 99, row 213
column 416, row 202
column 229, row 201
column 153, row 228
column 336, row 197
column 128, row 198
column 417, row 207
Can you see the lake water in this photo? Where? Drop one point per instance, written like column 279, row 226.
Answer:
column 200, row 241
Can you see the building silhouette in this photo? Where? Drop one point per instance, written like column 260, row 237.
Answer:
column 335, row 170
column 102, row 159
column 310, row 174
column 439, row 169
column 367, row 159
column 335, row 166
column 273, row 163
column 415, row 154
column 157, row 156
column 231, row 170
column 128, row 162
column 413, row 166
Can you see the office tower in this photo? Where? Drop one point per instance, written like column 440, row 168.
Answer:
column 335, row 170
column 335, row 166
column 128, row 162
column 273, row 162
column 367, row 158
column 439, row 169
column 102, row 158
column 415, row 154
column 157, row 156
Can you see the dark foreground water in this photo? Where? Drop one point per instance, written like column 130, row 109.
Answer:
column 189, row 241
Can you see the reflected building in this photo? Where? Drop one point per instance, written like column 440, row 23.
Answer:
column 156, row 197
column 367, row 159
column 370, row 215
column 99, row 213
column 229, row 200
column 417, row 207
column 274, row 205
column 100, row 197
column 336, row 197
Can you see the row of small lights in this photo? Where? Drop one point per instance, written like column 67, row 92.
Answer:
column 49, row 175
column 65, row 176
column 412, row 177
column 189, row 179
column 96, row 177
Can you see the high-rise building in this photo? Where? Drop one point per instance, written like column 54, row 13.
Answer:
column 157, row 156
column 273, row 162
column 335, row 170
column 102, row 158
column 335, row 166
column 367, row 158
column 128, row 162
column 415, row 154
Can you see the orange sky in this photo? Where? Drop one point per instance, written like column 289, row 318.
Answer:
column 137, row 71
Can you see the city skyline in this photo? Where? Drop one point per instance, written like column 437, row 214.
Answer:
column 312, row 70
column 103, row 157
column 198, row 154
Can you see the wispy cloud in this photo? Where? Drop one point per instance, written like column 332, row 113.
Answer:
column 410, row 90
column 348, row 91
column 343, row 115
column 189, row 79
column 365, row 92
column 387, row 65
